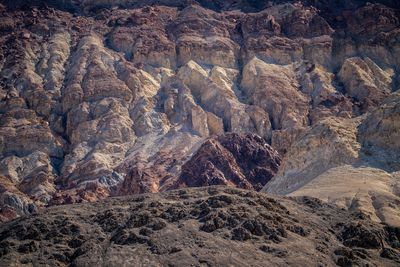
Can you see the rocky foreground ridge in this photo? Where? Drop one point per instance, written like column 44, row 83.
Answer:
column 106, row 98
column 214, row 226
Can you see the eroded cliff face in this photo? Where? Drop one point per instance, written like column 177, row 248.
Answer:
column 101, row 99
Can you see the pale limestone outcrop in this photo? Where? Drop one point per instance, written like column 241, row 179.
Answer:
column 365, row 81
column 29, row 151
column 331, row 142
column 34, row 174
column 13, row 202
column 204, row 36
column 146, row 120
column 54, row 56
column 199, row 121
column 98, row 124
column 16, row 137
column 317, row 82
column 29, row 148
column 223, row 101
column 276, row 89
column 361, row 189
column 181, row 108
column 379, row 133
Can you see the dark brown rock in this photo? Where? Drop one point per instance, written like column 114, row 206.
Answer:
column 232, row 159
column 196, row 226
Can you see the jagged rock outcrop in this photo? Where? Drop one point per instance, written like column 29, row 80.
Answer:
column 275, row 88
column 327, row 101
column 239, row 161
column 212, row 226
column 351, row 163
column 205, row 37
column 14, row 203
column 217, row 94
column 366, row 82
column 142, row 36
column 379, row 133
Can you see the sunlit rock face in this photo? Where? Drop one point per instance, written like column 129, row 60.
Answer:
column 112, row 98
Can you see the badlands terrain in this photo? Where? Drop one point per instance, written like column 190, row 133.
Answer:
column 208, row 226
column 285, row 116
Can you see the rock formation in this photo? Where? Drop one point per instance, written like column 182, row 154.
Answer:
column 104, row 99
column 208, row 226
column 112, row 98
column 331, row 142
column 351, row 163
column 366, row 190
column 379, row 134
column 244, row 162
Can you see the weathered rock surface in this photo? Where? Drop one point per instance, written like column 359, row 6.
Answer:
column 240, row 161
column 14, row 203
column 365, row 81
column 376, row 193
column 111, row 98
column 379, row 133
column 331, row 142
column 213, row 226
column 351, row 163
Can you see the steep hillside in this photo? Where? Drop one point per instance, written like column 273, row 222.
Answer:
column 112, row 98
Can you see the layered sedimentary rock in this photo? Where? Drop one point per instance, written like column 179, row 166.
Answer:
column 105, row 98
column 351, row 163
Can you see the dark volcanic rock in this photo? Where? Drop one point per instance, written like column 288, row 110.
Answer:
column 191, row 227
column 243, row 161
